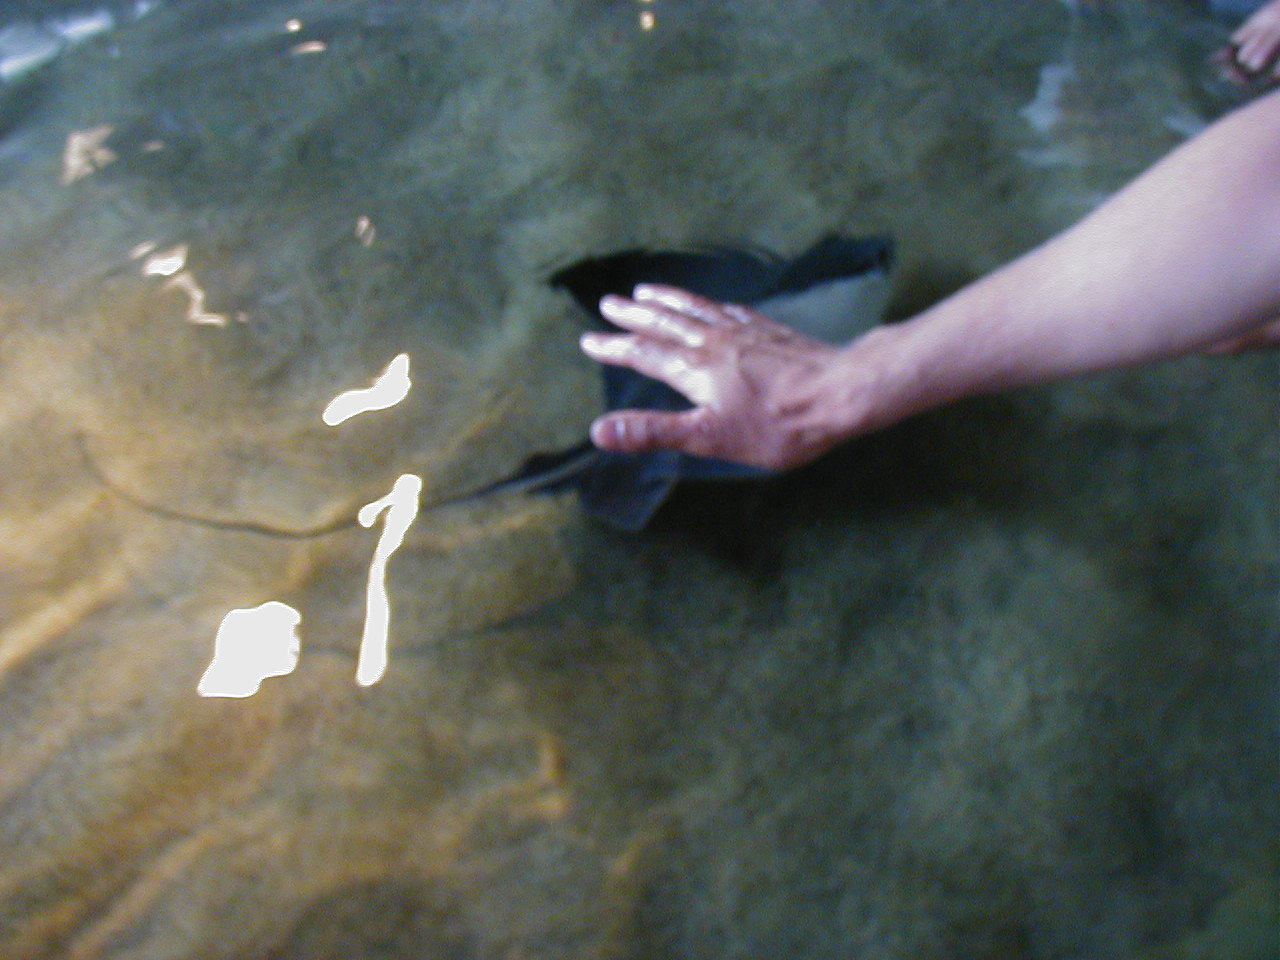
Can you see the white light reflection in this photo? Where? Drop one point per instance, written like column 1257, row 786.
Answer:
column 293, row 25
column 390, row 388
column 365, row 231
column 251, row 645
column 86, row 152
column 162, row 264
column 263, row 642
column 84, row 25
column 647, row 17
column 401, row 507
column 25, row 47
column 196, row 313
column 310, row 46
column 171, row 263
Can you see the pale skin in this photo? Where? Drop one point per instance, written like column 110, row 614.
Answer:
column 1185, row 258
column 1253, row 48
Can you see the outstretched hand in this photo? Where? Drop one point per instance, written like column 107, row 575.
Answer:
column 763, row 393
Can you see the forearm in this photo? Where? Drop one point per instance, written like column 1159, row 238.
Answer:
column 1185, row 256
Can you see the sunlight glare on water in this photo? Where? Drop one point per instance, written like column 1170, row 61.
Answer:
column 398, row 508
column 252, row 645
column 171, row 264
column 391, row 387
column 248, row 645
column 85, row 152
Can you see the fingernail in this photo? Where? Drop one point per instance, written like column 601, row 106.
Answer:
column 642, row 292
column 601, row 433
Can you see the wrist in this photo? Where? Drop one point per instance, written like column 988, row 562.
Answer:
column 876, row 381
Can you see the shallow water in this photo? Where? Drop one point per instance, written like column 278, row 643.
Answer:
column 997, row 683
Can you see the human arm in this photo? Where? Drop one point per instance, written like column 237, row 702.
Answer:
column 1186, row 256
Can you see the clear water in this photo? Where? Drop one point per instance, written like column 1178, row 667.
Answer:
column 998, row 683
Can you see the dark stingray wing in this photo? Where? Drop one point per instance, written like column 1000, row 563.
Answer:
column 626, row 490
column 739, row 275
column 833, row 258
column 742, row 276
column 624, row 389
column 729, row 274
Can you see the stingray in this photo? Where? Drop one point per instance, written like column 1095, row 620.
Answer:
column 834, row 291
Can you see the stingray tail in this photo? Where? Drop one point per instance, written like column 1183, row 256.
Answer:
column 546, row 472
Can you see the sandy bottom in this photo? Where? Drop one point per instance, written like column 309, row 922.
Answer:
column 1000, row 683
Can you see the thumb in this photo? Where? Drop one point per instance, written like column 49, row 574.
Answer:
column 636, row 431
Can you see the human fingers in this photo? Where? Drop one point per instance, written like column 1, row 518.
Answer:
column 711, row 312
column 682, row 301
column 1226, row 60
column 671, row 364
column 638, row 431
column 1252, row 55
column 1261, row 22
column 652, row 319
column 1225, row 56
column 1256, row 48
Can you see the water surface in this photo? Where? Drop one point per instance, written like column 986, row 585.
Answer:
column 997, row 683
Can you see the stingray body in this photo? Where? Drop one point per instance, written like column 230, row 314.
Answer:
column 834, row 291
